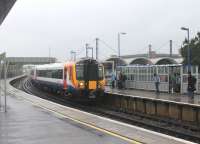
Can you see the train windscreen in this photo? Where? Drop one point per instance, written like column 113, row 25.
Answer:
column 91, row 72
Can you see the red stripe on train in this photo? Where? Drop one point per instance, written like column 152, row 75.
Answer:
column 65, row 78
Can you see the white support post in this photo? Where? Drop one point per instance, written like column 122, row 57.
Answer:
column 2, row 61
column 181, row 73
column 197, row 81
column 0, row 83
column 5, row 94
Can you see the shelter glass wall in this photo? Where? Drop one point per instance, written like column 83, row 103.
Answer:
column 173, row 78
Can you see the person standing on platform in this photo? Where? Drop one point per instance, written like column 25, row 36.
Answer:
column 124, row 81
column 191, row 85
column 119, row 83
column 113, row 78
column 157, row 82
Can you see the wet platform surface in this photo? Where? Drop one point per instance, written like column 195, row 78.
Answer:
column 32, row 120
column 25, row 123
column 175, row 97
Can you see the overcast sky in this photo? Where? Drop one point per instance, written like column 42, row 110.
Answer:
column 34, row 26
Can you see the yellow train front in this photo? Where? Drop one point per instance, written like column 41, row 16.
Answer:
column 88, row 79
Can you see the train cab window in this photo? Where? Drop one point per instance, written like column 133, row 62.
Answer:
column 92, row 72
column 79, row 72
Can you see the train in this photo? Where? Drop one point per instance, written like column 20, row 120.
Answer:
column 81, row 80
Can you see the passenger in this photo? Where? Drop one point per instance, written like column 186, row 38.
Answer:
column 157, row 82
column 178, row 82
column 173, row 82
column 119, row 83
column 191, row 85
column 113, row 79
column 124, row 81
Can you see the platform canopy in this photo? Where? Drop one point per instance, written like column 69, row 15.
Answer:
column 5, row 6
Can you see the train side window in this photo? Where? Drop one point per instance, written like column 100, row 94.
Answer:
column 48, row 73
column 53, row 75
column 60, row 74
column 57, row 74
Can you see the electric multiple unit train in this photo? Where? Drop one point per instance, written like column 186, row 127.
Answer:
column 83, row 79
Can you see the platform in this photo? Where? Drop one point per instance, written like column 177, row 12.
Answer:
column 25, row 123
column 30, row 119
column 176, row 107
column 175, row 97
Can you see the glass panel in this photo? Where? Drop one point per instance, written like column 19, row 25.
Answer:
column 193, row 69
column 79, row 72
column 184, row 70
column 185, row 78
column 100, row 72
column 163, row 78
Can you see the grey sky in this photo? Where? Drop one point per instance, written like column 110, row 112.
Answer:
column 34, row 26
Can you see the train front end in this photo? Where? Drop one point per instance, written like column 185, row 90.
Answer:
column 90, row 77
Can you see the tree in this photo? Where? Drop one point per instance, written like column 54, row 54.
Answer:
column 194, row 45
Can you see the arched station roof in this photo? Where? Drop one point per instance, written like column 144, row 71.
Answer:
column 145, row 61
column 156, row 61
column 118, row 61
column 165, row 60
column 141, row 61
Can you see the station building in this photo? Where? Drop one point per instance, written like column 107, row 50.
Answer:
column 142, row 59
column 16, row 63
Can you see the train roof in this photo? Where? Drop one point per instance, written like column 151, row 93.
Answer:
column 85, row 60
column 61, row 65
column 50, row 66
column 167, row 65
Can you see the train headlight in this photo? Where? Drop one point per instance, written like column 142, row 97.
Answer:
column 99, row 86
column 81, row 84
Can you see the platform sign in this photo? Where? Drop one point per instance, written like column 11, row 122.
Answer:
column 3, row 66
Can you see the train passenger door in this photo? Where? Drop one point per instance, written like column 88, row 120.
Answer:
column 65, row 78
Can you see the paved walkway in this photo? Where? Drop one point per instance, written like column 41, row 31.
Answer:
column 163, row 96
column 25, row 123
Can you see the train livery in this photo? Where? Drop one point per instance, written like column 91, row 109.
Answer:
column 83, row 79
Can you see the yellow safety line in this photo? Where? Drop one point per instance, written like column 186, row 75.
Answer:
column 88, row 124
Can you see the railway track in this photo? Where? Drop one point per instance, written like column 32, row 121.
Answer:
column 166, row 126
